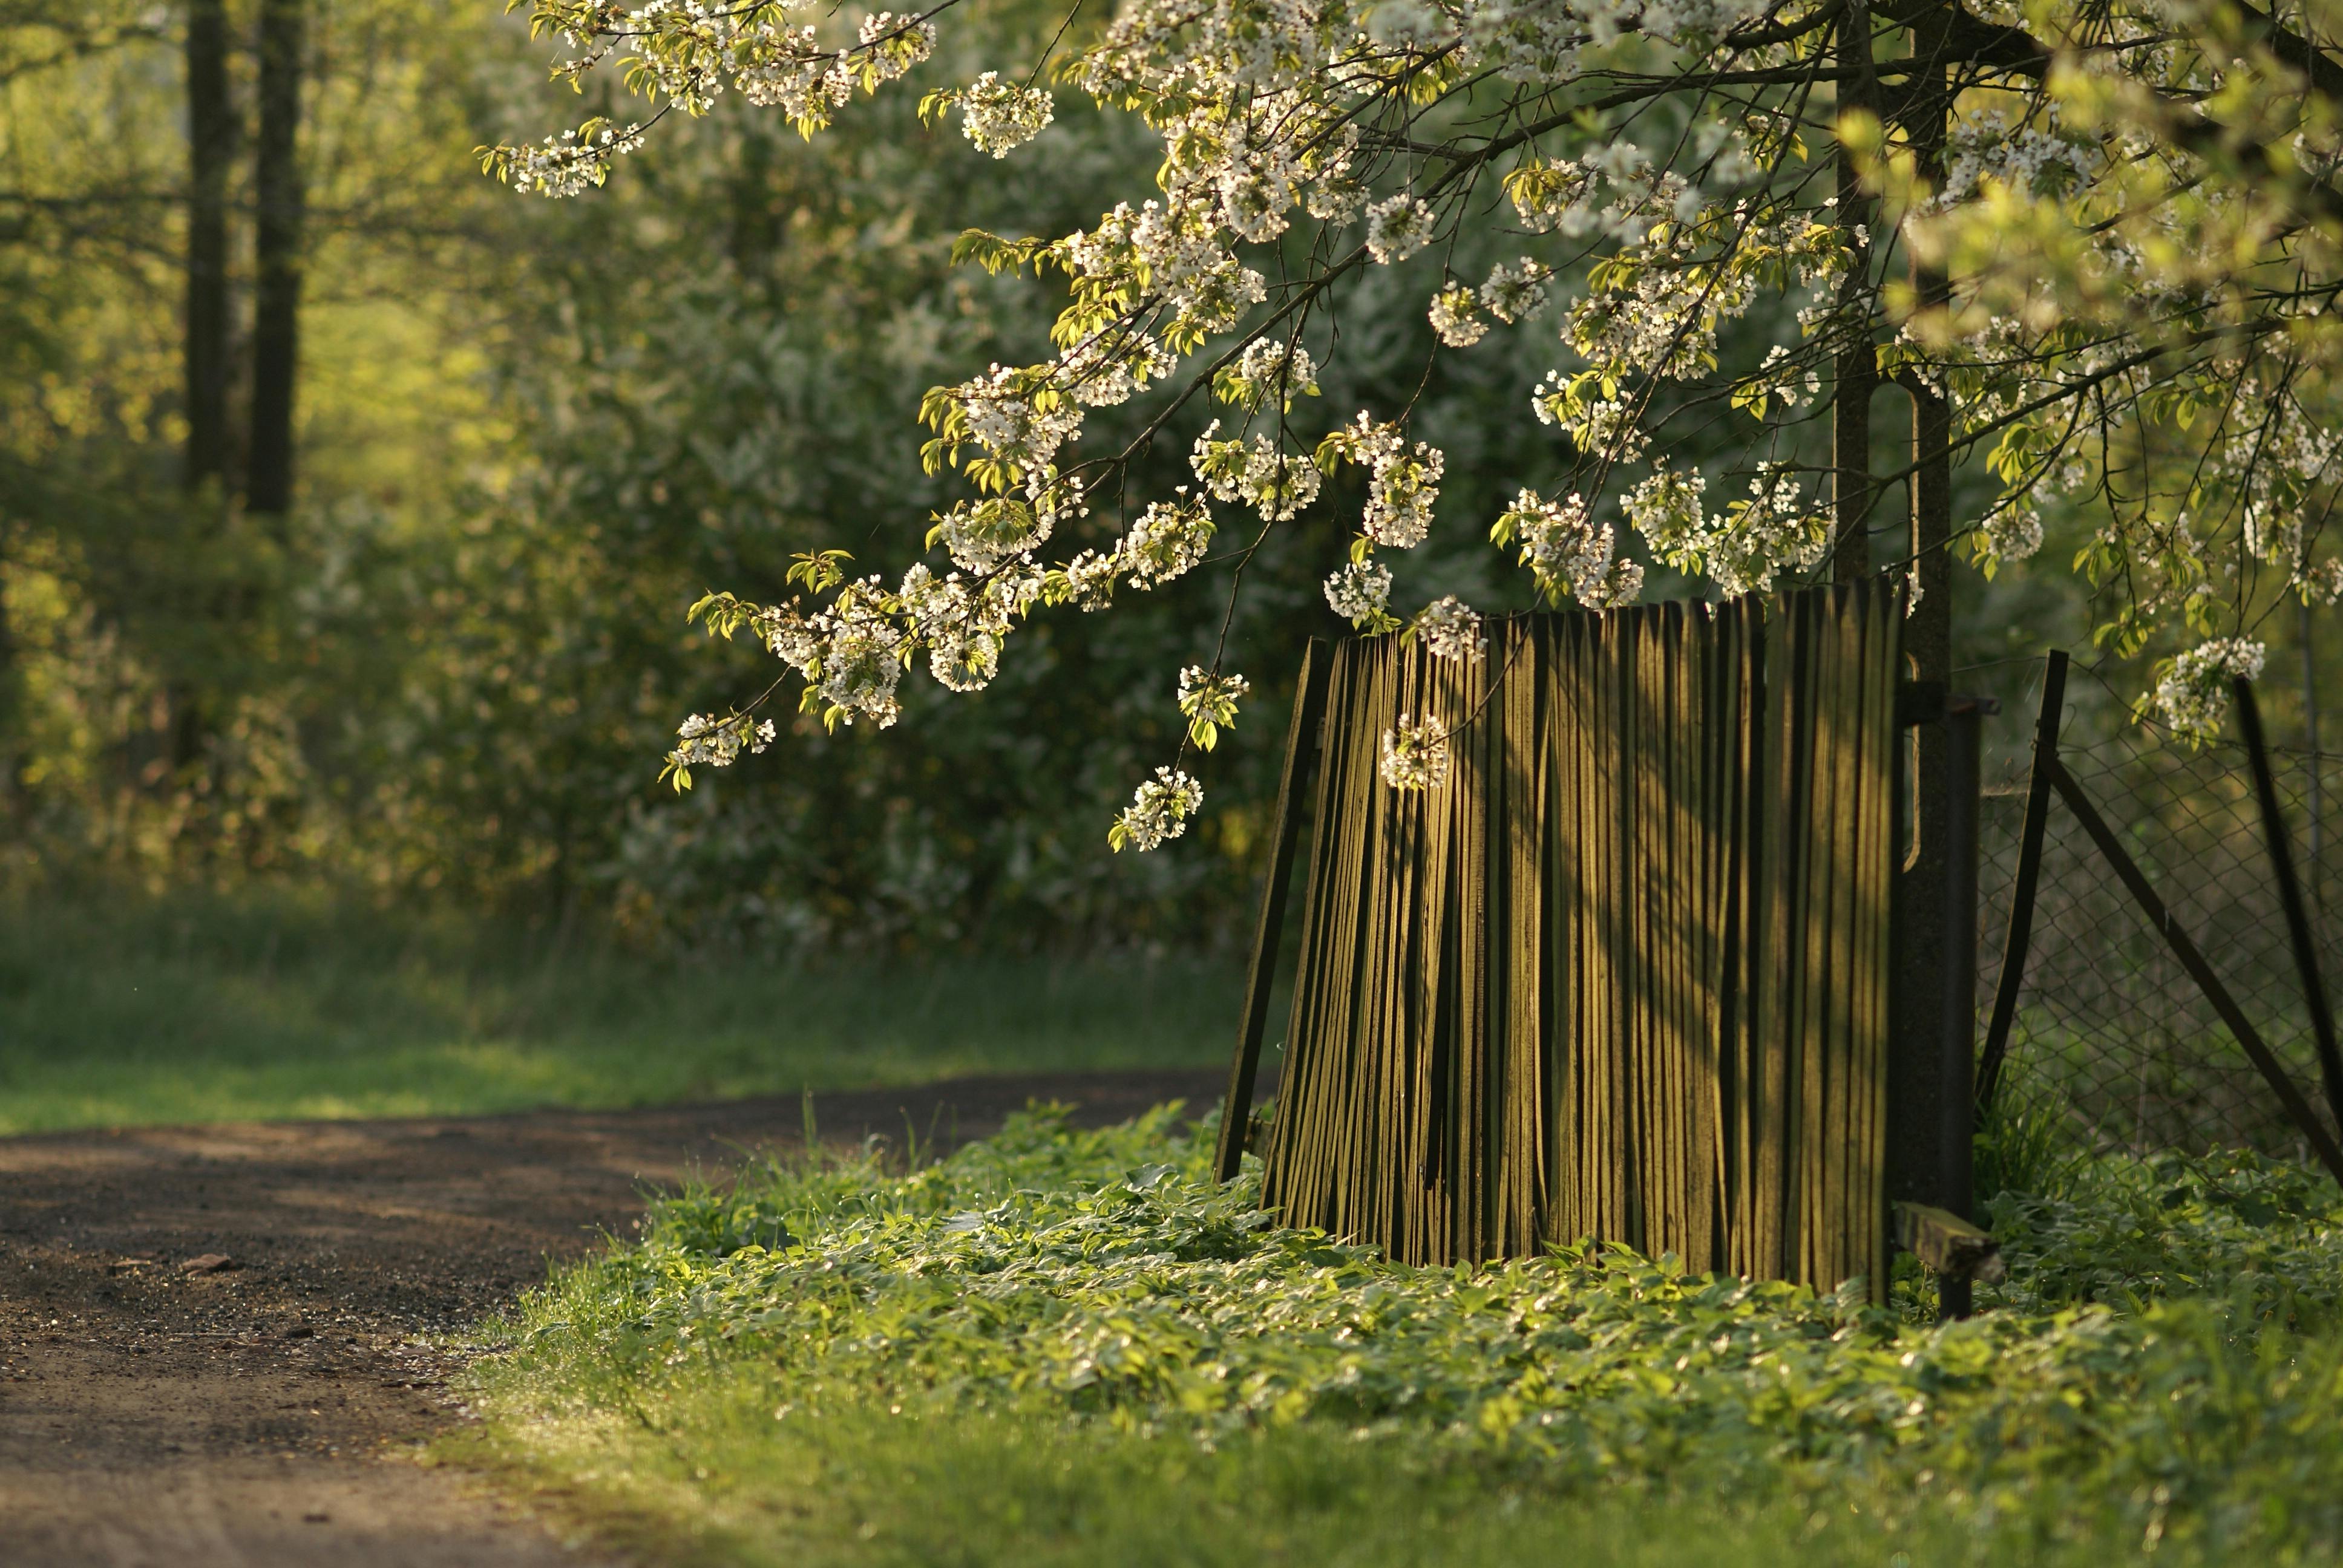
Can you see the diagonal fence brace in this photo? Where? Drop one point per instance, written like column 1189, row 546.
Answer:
column 2160, row 920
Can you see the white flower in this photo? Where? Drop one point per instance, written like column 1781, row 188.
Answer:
column 1091, row 577
column 1268, row 369
column 1159, row 810
column 1514, row 294
column 1169, row 538
column 1567, row 554
column 1003, row 418
column 1277, row 483
column 999, row 116
column 2194, row 695
column 1415, row 755
column 1209, row 702
column 1399, row 226
column 1605, row 429
column 1401, row 483
column 703, row 741
column 1451, row 630
column 2014, row 532
column 980, row 534
column 1741, row 551
column 1453, row 318
column 858, row 673
column 1361, row 592
column 1666, row 508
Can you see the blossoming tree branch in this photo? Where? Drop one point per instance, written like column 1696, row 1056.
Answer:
column 2092, row 246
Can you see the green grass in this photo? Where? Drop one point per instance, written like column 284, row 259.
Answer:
column 1063, row 1347
column 130, row 1010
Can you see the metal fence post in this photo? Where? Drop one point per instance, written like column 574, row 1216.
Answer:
column 2289, row 895
column 2018, row 940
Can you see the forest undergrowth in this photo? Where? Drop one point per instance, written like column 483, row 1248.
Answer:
column 1070, row 1346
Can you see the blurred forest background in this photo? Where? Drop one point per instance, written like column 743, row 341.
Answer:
column 350, row 504
column 410, row 616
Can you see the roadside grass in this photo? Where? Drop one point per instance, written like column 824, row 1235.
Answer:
column 192, row 1008
column 1063, row 1347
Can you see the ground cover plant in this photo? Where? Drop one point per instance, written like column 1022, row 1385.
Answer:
column 124, row 1010
column 1068, row 1346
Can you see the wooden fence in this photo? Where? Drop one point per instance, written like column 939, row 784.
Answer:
column 1624, row 974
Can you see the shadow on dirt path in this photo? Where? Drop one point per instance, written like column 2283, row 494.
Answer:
column 267, row 1411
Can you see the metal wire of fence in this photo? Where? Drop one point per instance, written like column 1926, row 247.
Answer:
column 2110, row 1034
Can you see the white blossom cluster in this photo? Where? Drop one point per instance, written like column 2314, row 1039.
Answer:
column 851, row 654
column 2037, row 159
column 2012, row 532
column 1665, row 507
column 567, row 165
column 1415, row 754
column 1772, row 531
column 1512, row 294
column 981, row 534
column 2193, row 697
column 998, row 118
column 1399, row 227
column 1515, row 292
column 1262, row 472
column 1567, row 554
column 689, row 52
column 1451, row 629
column 1269, row 369
column 1785, row 377
column 1360, row 594
column 1159, row 810
column 1189, row 268
column 1402, row 480
column 1454, row 319
column 1602, row 427
column 1112, row 365
column 704, row 740
column 962, row 623
column 1012, row 426
column 1167, row 541
column 1209, row 702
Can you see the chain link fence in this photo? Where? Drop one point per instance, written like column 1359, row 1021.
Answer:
column 2111, row 1035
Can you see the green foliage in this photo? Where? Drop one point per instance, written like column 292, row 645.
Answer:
column 1052, row 1281
column 2262, row 1237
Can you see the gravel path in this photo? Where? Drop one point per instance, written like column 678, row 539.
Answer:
column 271, row 1410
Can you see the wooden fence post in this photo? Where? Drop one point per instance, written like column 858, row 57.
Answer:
column 1956, row 1087
column 1301, row 742
column 1932, row 1051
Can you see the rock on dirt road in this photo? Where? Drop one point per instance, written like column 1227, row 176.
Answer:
column 216, row 1341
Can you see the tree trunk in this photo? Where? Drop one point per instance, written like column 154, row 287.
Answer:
column 211, row 148
column 1855, row 372
column 277, row 297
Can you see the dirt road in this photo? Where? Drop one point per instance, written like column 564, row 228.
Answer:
column 270, row 1411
